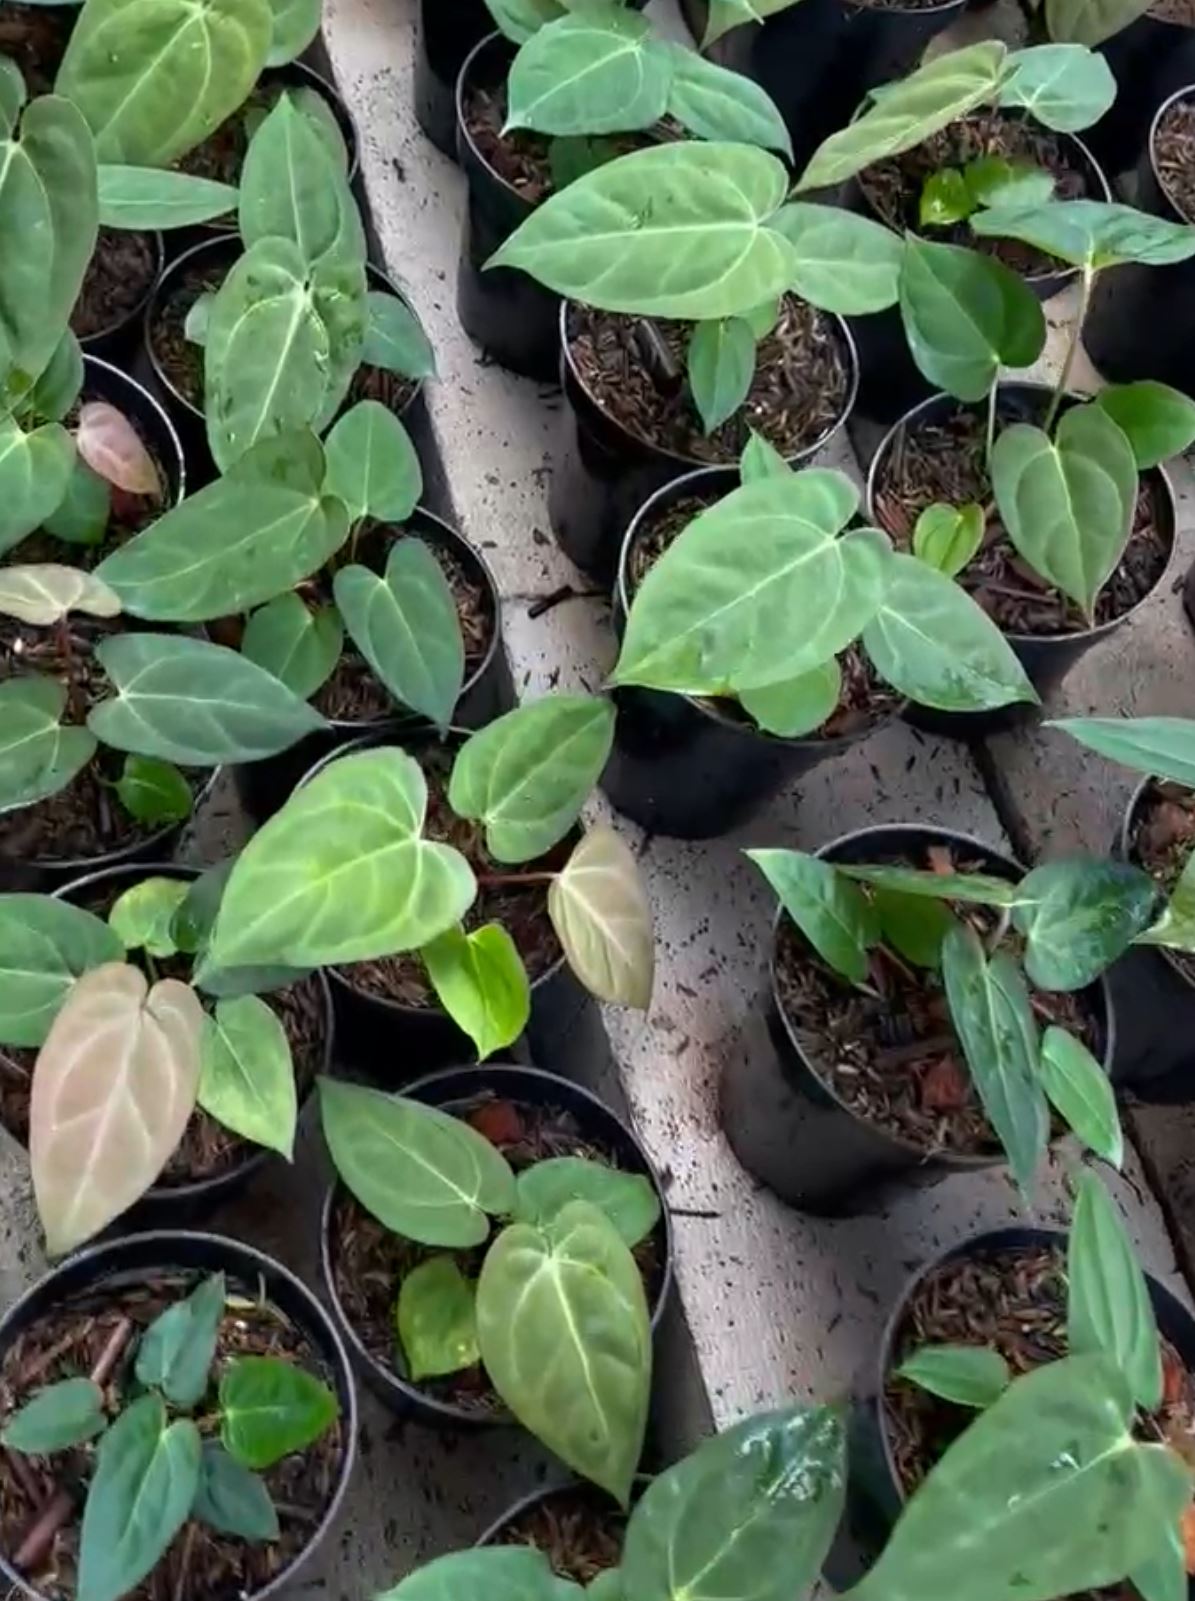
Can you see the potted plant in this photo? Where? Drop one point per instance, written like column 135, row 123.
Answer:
column 185, row 1368
column 462, row 887
column 934, row 1008
column 262, row 1041
column 421, row 1290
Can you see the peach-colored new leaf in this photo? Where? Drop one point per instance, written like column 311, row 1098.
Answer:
column 112, row 447
column 113, row 1087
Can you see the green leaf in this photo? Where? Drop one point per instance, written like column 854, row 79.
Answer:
column 61, row 1415
column 598, row 70
column 372, row 465
column 721, row 367
column 43, row 593
column 1078, row 916
column 1091, row 234
column 1175, row 928
column 12, row 94
column 599, row 909
column 35, row 469
column 627, row 1200
column 526, row 775
column 147, row 197
column 140, row 1495
column 1159, row 747
column 761, row 460
column 843, row 263
column 299, row 647
column 751, row 1512
column 1109, row 1310
column 1081, row 1092
column 675, row 231
column 715, row 103
column 1163, row 1576
column 909, row 112
column 993, row 181
column 967, row 1375
column 45, row 945
column 59, row 383
column 499, row 1572
column 176, row 1352
column 153, row 791
column 931, row 641
column 153, row 85
column 563, row 1328
column 945, row 199
column 342, row 873
column 480, row 981
column 81, row 516
column 946, row 537
column 993, row 1016
column 974, row 889
column 197, row 704
column 837, row 919
column 437, row 1319
column 246, row 1076
column 296, row 24
column 913, row 925
column 1090, row 22
column 395, row 340
column 143, row 917
column 570, row 159
column 1068, row 503
column 1156, row 420
column 761, row 586
column 232, row 1500
column 293, row 187
column 763, row 318
column 270, row 1409
column 727, row 14
column 406, row 626
column 39, row 755
column 794, row 706
column 966, row 316
column 606, row 1586
column 1065, row 86
column 422, row 1173
column 1054, row 1452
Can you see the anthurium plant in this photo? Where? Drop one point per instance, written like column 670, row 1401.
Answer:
column 345, row 873
column 556, row 1313
column 91, row 995
column 169, row 1422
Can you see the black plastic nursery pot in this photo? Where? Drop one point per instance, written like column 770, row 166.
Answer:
column 175, row 1203
column 488, row 691
column 795, row 1131
column 446, row 36
column 1150, row 59
column 464, row 1091
column 1142, row 319
column 579, row 1503
column 124, row 272
column 110, row 1271
column 1046, row 657
column 685, row 766
column 603, row 471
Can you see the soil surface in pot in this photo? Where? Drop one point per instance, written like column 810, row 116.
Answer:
column 369, row 1262
column 119, row 278
column 894, row 1058
column 200, row 1565
column 522, row 910
column 35, row 37
column 941, row 458
column 893, row 187
column 181, row 361
column 799, row 393
column 1174, row 153
column 578, row 1529
column 84, row 821
column 865, row 701
column 1161, row 840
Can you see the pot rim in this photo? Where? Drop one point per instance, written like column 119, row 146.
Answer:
column 1002, row 866
column 1134, row 804
column 127, row 856
column 247, row 1260
column 132, row 319
column 534, row 1498
column 1185, row 93
column 509, row 1073
column 692, row 481
column 1158, row 474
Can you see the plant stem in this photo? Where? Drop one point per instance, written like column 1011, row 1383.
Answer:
column 1072, row 350
column 66, row 650
column 496, row 880
column 991, row 433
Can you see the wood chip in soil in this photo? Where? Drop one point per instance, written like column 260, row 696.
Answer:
column 369, row 1261
column 798, row 395
column 119, row 277
column 35, row 37
column 893, row 186
column 866, row 700
column 199, row 1565
column 942, row 459
column 894, row 1058
column 578, row 1529
column 1161, row 839
column 1174, row 156
column 522, row 911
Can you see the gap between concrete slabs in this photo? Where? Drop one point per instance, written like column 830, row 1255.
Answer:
column 779, row 1305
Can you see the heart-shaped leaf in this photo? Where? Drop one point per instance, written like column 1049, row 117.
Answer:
column 946, row 537
column 45, row 945
column 844, row 263
column 599, row 908
column 628, row 1200
column 61, row 1415
column 39, row 755
column 596, row 70
column 480, row 981
column 1159, row 747
column 143, row 916
column 913, row 925
column 295, row 24
column 967, row 1375
column 837, row 919
column 113, row 449
column 44, row 593
column 1109, row 1311
column 422, row 1173
column 372, row 465
column 761, row 460
column 342, row 873
column 113, row 1087
column 247, row 1078
column 1081, row 1091
column 395, row 340
column 715, row 103
column 437, row 1319
column 1078, row 916
column 1163, row 1575
column 563, row 1328
column 270, row 1408
column 153, row 791
column 149, row 198
column 527, row 775
column 176, row 1352
column 232, row 1500
column 1091, row 234
column 298, row 646
column 721, row 366
column 35, row 469
column 293, row 187
column 1065, row 86
column 1156, row 420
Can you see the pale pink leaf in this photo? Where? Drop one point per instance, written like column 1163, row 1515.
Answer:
column 113, row 1087
column 599, row 908
column 112, row 447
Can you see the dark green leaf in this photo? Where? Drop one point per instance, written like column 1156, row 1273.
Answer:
column 270, row 1409
column 153, row 791
column 837, row 919
column 1081, row 1092
column 45, row 945
column 437, row 1319
column 297, row 646
column 176, row 1352
column 570, row 159
column 968, row 1375
column 913, row 925
column 480, row 981
column 1078, row 916
column 59, row 383
column 232, row 1500
column 1156, row 420
column 1109, row 1310
column 721, row 368
column 628, row 1200
column 61, row 1415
